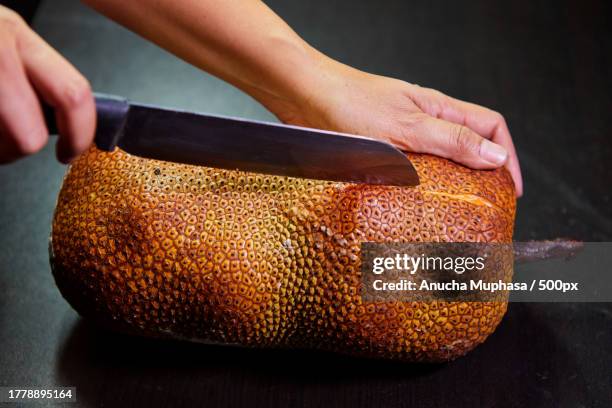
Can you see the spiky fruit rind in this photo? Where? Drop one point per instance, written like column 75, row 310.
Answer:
column 165, row 249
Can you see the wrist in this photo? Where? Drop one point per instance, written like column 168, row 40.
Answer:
column 297, row 83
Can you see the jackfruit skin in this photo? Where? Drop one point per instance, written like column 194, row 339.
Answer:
column 170, row 250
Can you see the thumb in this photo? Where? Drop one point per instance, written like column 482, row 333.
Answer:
column 456, row 142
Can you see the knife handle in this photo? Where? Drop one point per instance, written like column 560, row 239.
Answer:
column 112, row 112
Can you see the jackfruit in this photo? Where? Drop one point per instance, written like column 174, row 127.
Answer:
column 170, row 250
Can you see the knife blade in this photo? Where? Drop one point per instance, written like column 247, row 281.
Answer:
column 254, row 146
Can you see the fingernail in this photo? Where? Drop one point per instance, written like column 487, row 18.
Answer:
column 493, row 153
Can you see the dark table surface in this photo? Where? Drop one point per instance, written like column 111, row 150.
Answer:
column 547, row 66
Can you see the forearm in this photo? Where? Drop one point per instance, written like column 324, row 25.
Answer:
column 240, row 41
column 245, row 43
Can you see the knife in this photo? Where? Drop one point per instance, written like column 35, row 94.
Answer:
column 230, row 143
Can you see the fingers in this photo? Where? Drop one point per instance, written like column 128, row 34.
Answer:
column 502, row 136
column 456, row 142
column 64, row 88
column 489, row 124
column 486, row 122
column 22, row 128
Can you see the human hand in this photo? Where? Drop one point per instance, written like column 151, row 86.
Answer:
column 248, row 45
column 29, row 69
column 412, row 118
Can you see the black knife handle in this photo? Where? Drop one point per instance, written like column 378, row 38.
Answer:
column 112, row 112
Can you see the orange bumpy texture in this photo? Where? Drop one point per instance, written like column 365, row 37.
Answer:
column 164, row 249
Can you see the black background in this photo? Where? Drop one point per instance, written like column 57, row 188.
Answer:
column 547, row 66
